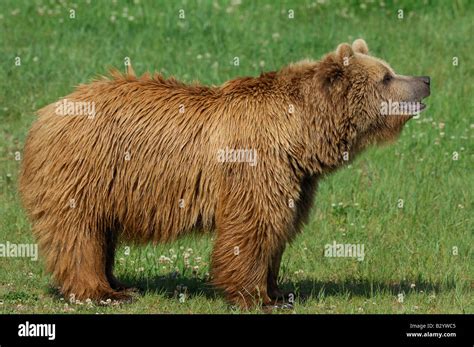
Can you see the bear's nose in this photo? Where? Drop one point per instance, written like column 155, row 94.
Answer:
column 426, row 79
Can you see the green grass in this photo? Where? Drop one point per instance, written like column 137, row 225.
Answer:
column 408, row 250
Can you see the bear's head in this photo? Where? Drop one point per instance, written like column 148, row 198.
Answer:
column 369, row 101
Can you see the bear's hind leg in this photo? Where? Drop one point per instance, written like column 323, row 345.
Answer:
column 76, row 255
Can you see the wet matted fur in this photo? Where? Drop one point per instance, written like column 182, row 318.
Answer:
column 145, row 168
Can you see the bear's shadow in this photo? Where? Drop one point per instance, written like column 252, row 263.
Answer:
column 305, row 289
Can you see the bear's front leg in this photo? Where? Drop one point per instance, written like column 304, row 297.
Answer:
column 247, row 251
column 240, row 263
column 272, row 281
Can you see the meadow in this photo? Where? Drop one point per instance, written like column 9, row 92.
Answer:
column 409, row 203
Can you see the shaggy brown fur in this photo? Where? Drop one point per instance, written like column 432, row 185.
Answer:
column 146, row 168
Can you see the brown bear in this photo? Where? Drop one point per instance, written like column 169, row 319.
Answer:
column 150, row 159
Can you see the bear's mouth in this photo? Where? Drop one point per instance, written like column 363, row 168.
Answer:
column 415, row 108
column 411, row 108
column 422, row 106
column 408, row 108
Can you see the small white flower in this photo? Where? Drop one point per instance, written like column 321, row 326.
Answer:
column 164, row 259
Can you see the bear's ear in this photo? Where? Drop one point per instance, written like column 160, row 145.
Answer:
column 344, row 51
column 359, row 46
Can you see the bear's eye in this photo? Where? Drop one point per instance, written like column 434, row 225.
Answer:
column 387, row 78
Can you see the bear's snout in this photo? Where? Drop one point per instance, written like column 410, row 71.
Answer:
column 425, row 89
column 425, row 79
